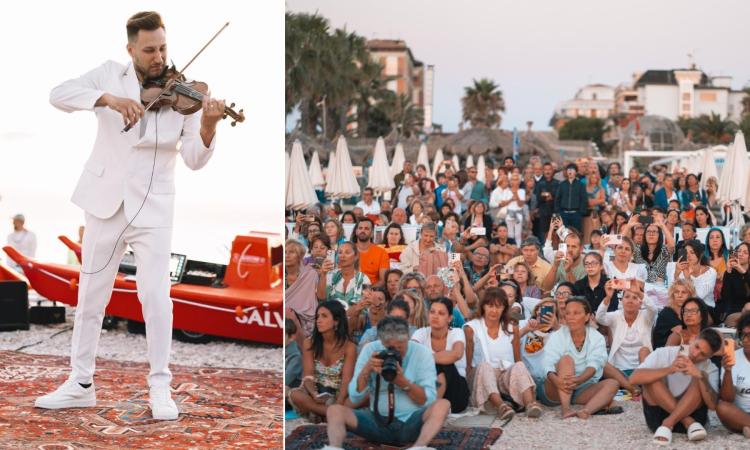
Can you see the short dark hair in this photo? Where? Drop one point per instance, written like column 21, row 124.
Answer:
column 289, row 327
column 743, row 323
column 713, row 338
column 398, row 302
column 144, row 20
column 445, row 302
column 572, row 166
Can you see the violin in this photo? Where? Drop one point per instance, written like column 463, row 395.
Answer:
column 171, row 89
column 185, row 97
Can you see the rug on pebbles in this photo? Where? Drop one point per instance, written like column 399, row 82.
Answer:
column 219, row 408
column 314, row 436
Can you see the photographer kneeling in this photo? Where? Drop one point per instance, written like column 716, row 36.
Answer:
column 399, row 376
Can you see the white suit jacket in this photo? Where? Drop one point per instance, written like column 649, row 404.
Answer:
column 119, row 168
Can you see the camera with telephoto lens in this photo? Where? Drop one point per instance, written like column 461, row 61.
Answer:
column 391, row 359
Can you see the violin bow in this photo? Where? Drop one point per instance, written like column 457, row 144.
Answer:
column 169, row 83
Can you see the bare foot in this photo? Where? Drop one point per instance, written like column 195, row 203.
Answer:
column 583, row 414
column 746, row 432
column 568, row 414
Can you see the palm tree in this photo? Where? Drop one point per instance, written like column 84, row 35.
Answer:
column 482, row 104
column 746, row 101
column 713, row 129
column 404, row 117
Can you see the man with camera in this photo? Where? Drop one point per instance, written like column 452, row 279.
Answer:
column 399, row 378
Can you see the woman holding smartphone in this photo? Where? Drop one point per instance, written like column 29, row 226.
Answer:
column 477, row 227
column 693, row 265
column 344, row 283
column 735, row 289
column 623, row 267
column 574, row 359
column 493, row 359
column 534, row 335
column 327, row 363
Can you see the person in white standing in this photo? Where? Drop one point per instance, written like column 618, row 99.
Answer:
column 127, row 192
column 21, row 239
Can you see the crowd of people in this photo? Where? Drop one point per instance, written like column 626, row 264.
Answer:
column 516, row 288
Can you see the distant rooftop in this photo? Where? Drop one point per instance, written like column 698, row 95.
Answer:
column 391, row 45
column 667, row 77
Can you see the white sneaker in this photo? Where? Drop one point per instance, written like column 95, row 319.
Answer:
column 69, row 395
column 162, row 405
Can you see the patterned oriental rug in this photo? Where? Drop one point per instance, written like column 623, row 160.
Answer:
column 219, row 408
column 314, row 436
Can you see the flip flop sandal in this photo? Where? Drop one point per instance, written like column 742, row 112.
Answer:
column 533, row 411
column 696, row 432
column 506, row 414
column 663, row 436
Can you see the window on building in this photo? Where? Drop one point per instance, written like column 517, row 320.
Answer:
column 593, row 96
column 685, row 107
column 707, row 96
column 686, row 96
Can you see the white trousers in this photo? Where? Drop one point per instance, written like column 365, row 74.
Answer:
column 514, row 220
column 152, row 249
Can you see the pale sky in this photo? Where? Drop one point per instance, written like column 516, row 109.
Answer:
column 542, row 52
column 44, row 149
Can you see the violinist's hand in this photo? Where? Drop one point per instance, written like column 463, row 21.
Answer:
column 213, row 112
column 131, row 110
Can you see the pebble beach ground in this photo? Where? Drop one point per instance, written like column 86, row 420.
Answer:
column 619, row 431
column 119, row 344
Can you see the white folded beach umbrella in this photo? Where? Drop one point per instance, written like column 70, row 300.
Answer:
column 708, row 167
column 316, row 175
column 397, row 165
column 299, row 190
column 456, row 162
column 694, row 164
column 379, row 177
column 480, row 166
column 469, row 161
column 422, row 157
column 734, row 176
column 341, row 181
column 329, row 167
column 437, row 162
column 286, row 162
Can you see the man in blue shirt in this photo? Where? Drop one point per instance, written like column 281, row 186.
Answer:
column 416, row 414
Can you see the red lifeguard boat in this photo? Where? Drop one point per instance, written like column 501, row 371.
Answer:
column 247, row 303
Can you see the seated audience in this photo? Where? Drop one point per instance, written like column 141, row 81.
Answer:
column 734, row 404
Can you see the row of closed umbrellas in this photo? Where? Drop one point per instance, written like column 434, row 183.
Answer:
column 340, row 182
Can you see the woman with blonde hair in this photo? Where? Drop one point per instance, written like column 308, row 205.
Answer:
column 668, row 320
column 417, row 311
column 525, row 279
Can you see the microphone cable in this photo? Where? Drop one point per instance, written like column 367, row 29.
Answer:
column 148, row 191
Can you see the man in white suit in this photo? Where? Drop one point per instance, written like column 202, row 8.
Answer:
column 127, row 192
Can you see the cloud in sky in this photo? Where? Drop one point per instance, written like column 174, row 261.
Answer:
column 541, row 52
